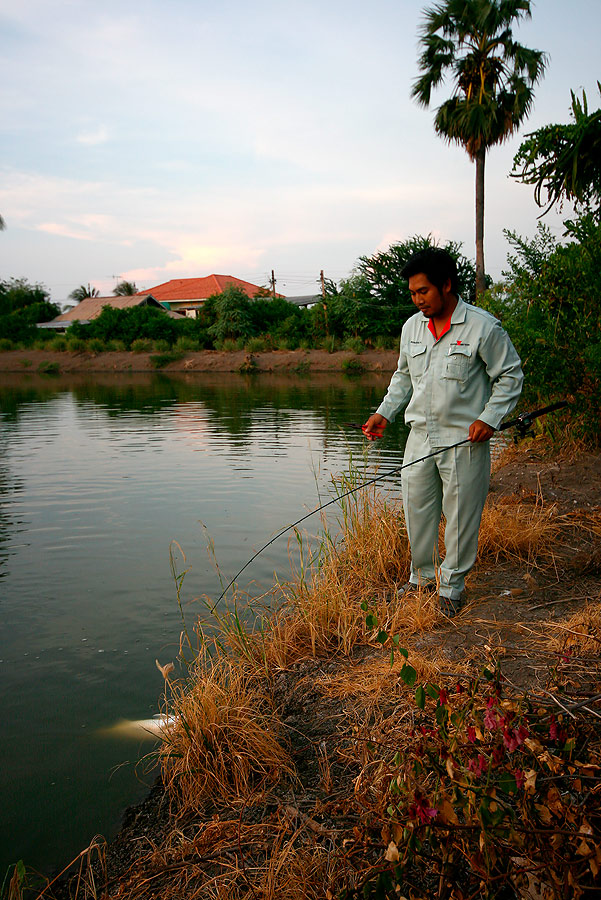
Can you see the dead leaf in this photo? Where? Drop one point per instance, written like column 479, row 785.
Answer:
column 392, row 853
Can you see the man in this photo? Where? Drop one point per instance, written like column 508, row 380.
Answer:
column 458, row 376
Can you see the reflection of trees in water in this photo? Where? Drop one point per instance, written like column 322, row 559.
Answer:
column 231, row 401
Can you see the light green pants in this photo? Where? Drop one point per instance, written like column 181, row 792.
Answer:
column 455, row 482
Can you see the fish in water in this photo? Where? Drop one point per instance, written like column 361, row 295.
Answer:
column 140, row 728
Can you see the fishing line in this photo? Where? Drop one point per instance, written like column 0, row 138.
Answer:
column 522, row 423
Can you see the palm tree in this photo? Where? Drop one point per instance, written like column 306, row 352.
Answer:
column 83, row 292
column 125, row 289
column 493, row 78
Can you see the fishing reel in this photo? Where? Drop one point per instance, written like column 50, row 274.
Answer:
column 523, row 427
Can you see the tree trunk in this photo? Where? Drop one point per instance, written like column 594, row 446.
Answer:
column 480, row 275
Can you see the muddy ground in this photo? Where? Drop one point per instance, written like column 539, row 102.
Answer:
column 304, row 361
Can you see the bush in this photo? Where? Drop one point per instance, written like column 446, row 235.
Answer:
column 330, row 344
column 6, row 344
column 49, row 368
column 355, row 344
column 58, row 344
column 95, row 345
column 75, row 344
column 186, row 345
column 353, row 366
column 141, row 345
column 160, row 360
column 549, row 305
column 229, row 345
column 256, row 345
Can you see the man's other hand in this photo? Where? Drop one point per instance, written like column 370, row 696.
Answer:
column 480, row 431
column 374, row 427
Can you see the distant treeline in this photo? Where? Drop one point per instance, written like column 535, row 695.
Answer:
column 548, row 301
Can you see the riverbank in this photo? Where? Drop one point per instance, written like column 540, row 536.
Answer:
column 301, row 362
column 321, row 819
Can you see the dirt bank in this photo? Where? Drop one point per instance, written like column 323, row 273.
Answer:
column 294, row 361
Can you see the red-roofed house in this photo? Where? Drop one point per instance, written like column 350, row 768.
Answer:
column 188, row 294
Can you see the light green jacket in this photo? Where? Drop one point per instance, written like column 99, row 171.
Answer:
column 472, row 372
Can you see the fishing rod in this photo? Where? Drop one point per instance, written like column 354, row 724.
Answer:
column 523, row 425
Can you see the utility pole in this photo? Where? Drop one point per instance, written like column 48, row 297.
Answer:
column 273, row 284
column 325, row 305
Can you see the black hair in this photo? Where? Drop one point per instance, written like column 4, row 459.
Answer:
column 436, row 264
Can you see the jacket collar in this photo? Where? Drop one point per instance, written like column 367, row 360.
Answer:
column 458, row 315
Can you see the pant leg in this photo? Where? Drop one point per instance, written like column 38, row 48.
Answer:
column 465, row 474
column 421, row 488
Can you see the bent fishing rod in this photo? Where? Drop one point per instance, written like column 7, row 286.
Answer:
column 522, row 424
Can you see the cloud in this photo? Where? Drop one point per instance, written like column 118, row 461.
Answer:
column 90, row 138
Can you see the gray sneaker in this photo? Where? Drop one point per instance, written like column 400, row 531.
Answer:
column 450, row 607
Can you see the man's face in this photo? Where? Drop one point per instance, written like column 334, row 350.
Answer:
column 427, row 297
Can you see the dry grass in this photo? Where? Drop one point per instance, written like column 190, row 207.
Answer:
column 376, row 681
column 319, row 609
column 580, row 635
column 514, row 529
column 225, row 744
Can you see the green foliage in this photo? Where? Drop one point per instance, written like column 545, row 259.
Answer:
column 353, row 366
column 391, row 303
column 493, row 80
column 549, row 305
column 22, row 305
column 234, row 317
column 563, row 162
column 141, row 345
column 125, row 289
column 6, row 344
column 49, row 368
column 160, row 360
column 83, row 292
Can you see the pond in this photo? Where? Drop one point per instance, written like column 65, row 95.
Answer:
column 98, row 476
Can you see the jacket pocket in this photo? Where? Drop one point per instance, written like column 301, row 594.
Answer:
column 457, row 363
column 416, row 358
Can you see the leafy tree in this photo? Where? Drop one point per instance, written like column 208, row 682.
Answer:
column 125, row 289
column 18, row 293
column 549, row 304
column 390, row 297
column 563, row 162
column 83, row 292
column 233, row 315
column 22, row 305
column 493, row 79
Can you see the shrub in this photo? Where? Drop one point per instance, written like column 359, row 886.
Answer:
column 353, row 366
column 329, row 343
column 186, row 344
column 58, row 344
column 163, row 359
column 49, row 368
column 76, row 345
column 229, row 345
column 141, row 345
column 6, row 344
column 256, row 345
column 95, row 345
column 355, row 344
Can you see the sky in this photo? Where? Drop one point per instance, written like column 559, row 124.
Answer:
column 150, row 141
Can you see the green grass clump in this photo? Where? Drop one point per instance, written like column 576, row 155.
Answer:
column 49, row 368
column 160, row 360
column 6, row 344
column 353, row 366
column 142, row 345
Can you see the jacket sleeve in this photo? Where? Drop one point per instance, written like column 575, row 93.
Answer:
column 504, row 369
column 399, row 390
